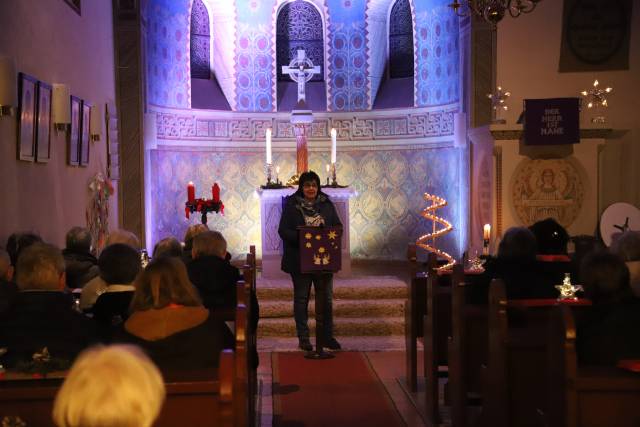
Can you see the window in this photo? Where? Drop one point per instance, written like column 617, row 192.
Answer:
column 200, row 41
column 400, row 40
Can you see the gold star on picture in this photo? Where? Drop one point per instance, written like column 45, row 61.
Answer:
column 307, row 236
column 332, row 235
column 321, row 250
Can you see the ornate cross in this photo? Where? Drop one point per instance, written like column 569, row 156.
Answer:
column 301, row 70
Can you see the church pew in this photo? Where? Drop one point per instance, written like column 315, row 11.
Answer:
column 414, row 311
column 520, row 380
column 467, row 349
column 193, row 398
column 595, row 395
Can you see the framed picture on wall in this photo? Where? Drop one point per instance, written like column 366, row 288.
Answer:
column 43, row 123
column 84, row 133
column 73, row 151
column 27, row 86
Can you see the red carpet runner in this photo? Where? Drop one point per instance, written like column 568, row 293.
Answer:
column 344, row 391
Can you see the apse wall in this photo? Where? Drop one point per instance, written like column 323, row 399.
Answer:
column 389, row 157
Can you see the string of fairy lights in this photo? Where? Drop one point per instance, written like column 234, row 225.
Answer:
column 440, row 227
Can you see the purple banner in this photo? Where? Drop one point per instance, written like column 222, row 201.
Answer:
column 553, row 121
column 320, row 249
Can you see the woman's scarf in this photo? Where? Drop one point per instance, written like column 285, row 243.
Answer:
column 309, row 209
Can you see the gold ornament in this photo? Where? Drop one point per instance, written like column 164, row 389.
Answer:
column 567, row 290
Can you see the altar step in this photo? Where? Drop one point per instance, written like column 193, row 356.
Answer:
column 371, row 307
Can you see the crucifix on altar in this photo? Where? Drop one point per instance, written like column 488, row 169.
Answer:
column 301, row 70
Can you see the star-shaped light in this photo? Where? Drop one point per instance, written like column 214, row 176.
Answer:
column 499, row 99
column 567, row 290
column 596, row 97
column 332, row 235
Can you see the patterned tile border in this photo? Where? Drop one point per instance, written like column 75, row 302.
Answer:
column 185, row 125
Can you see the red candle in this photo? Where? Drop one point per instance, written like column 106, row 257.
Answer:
column 191, row 192
column 215, row 192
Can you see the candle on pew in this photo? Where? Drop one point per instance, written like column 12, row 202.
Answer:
column 215, row 192
column 486, row 232
column 268, row 145
column 191, row 192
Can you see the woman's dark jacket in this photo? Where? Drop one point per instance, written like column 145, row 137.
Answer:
column 292, row 218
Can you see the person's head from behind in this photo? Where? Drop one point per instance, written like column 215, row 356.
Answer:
column 551, row 237
column 6, row 269
column 605, row 277
column 114, row 386
column 163, row 282
column 191, row 233
column 309, row 185
column 168, row 246
column 119, row 264
column 41, row 267
column 123, row 236
column 79, row 240
column 18, row 242
column 627, row 246
column 518, row 243
column 210, row 243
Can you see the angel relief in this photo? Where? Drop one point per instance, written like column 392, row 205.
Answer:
column 547, row 189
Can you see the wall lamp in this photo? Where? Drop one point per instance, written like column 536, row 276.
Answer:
column 61, row 108
column 96, row 122
column 8, row 86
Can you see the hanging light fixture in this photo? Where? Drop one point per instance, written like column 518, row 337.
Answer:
column 493, row 11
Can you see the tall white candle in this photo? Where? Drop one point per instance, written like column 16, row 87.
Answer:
column 333, row 145
column 486, row 232
column 268, row 137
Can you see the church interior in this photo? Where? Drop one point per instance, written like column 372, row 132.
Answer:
column 442, row 131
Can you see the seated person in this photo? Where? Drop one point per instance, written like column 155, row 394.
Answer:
column 627, row 247
column 119, row 265
column 190, row 234
column 169, row 321
column 8, row 288
column 42, row 315
column 110, row 386
column 95, row 286
column 609, row 332
column 209, row 271
column 516, row 264
column 551, row 237
column 81, row 265
column 17, row 242
column 169, row 246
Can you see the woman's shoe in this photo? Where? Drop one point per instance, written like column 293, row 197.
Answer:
column 333, row 344
column 304, row 344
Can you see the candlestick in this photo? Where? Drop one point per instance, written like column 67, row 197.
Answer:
column 215, row 192
column 277, row 173
column 268, row 145
column 191, row 192
column 333, row 145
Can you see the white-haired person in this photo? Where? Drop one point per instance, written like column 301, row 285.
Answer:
column 110, row 386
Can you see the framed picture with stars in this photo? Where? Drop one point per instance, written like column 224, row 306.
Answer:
column 320, row 249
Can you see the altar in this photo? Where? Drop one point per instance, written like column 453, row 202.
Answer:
column 270, row 213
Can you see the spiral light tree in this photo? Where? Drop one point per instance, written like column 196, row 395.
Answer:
column 440, row 227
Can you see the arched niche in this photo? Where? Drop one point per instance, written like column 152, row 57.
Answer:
column 300, row 24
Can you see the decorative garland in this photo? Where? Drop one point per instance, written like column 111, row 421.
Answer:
column 428, row 241
column 97, row 213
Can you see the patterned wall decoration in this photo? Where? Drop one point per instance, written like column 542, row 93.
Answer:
column 200, row 41
column 254, row 56
column 168, row 52
column 299, row 26
column 437, row 66
column 419, row 123
column 348, row 56
column 384, row 214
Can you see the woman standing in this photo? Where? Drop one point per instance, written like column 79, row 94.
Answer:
column 311, row 207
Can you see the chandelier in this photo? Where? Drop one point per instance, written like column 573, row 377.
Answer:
column 493, row 11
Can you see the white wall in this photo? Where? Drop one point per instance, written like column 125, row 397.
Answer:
column 54, row 44
column 528, row 58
